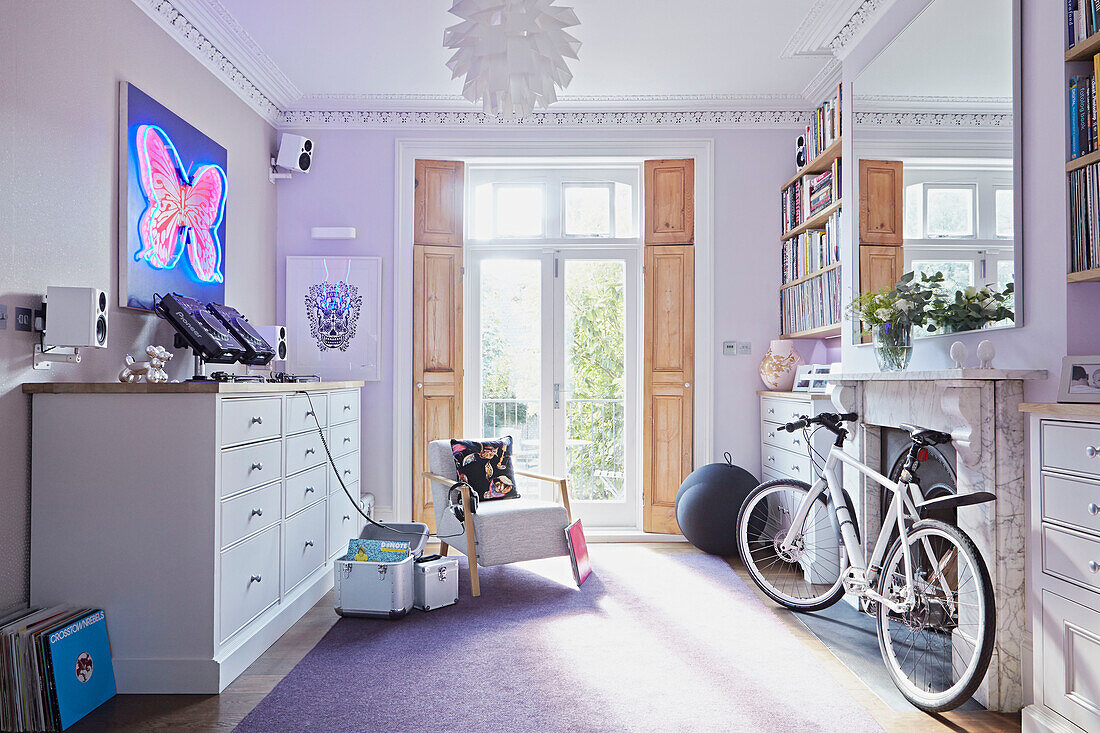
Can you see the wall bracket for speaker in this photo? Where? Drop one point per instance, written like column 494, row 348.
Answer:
column 44, row 358
column 275, row 175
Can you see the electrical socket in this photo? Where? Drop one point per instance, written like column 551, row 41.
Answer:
column 3, row 317
column 736, row 348
column 744, row 348
column 22, row 319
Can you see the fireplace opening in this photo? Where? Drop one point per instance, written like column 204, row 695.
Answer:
column 936, row 476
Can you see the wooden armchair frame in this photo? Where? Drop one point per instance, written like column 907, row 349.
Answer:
column 468, row 521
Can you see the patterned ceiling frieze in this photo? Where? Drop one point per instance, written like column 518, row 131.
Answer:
column 931, row 119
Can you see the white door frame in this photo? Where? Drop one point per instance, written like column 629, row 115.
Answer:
column 408, row 150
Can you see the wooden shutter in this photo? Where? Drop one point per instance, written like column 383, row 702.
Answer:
column 670, row 201
column 437, row 204
column 879, row 267
column 881, row 196
column 669, row 371
column 437, row 320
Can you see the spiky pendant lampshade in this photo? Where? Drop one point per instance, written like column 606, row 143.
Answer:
column 512, row 53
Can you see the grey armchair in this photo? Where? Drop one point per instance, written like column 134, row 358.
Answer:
column 501, row 532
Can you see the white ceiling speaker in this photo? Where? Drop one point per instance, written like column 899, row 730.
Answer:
column 512, row 53
column 75, row 317
column 295, row 153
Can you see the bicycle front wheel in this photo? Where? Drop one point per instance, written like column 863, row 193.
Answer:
column 938, row 651
column 806, row 577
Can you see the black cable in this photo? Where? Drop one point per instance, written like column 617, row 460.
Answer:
column 340, row 478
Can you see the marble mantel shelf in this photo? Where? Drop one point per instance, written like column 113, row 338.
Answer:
column 988, row 375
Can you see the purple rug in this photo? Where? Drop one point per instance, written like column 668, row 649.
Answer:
column 650, row 642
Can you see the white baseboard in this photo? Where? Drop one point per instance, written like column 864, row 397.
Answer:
column 629, row 535
column 1038, row 719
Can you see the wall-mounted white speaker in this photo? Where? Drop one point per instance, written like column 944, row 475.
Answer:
column 276, row 336
column 75, row 317
column 295, row 153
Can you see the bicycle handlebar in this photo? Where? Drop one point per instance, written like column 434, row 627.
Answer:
column 829, row 420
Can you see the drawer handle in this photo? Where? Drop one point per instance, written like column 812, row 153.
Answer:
column 258, row 466
column 347, row 439
column 347, row 471
column 1094, row 567
column 257, row 420
column 347, row 517
column 310, row 489
column 309, row 543
column 1091, row 451
column 257, row 512
column 771, row 410
column 798, row 469
column 796, row 441
column 255, row 579
column 347, row 407
column 771, row 434
column 311, row 413
column 1094, row 509
column 771, row 459
column 310, row 451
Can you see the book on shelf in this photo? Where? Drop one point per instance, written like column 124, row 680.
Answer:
column 1084, row 220
column 814, row 303
column 824, row 126
column 811, row 251
column 1082, row 20
column 809, row 195
column 1084, row 132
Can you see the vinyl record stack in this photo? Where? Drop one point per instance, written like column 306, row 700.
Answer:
column 811, row 304
column 1084, row 222
column 812, row 250
column 55, row 667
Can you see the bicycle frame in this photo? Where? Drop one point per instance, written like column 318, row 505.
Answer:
column 861, row 576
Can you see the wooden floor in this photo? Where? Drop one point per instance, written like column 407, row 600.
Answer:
column 223, row 712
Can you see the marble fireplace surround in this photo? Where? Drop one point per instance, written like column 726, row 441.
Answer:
column 979, row 408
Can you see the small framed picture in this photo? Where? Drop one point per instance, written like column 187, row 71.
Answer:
column 802, row 378
column 1080, row 379
column 818, row 382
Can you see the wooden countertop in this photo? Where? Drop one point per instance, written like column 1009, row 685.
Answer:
column 1065, row 409
column 181, row 387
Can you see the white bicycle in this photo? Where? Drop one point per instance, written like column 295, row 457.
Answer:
column 928, row 588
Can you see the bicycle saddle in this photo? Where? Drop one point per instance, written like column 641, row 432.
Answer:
column 924, row 436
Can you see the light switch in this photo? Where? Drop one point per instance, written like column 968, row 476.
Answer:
column 729, row 348
column 3, row 317
column 22, row 319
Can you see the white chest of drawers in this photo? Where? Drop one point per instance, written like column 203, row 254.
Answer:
column 1063, row 563
column 202, row 518
column 783, row 454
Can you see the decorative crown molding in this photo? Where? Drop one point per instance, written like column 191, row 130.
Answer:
column 932, row 104
column 301, row 119
column 931, row 119
column 202, row 48
column 829, row 27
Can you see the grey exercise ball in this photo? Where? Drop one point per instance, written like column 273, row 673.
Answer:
column 707, row 505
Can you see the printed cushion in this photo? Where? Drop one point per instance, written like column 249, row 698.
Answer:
column 486, row 465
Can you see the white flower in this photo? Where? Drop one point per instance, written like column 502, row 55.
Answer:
column 970, row 292
column 883, row 314
column 903, row 305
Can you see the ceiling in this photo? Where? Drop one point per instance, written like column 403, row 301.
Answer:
column 962, row 49
column 388, row 54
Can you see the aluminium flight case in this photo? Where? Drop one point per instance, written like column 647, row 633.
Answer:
column 435, row 583
column 378, row 589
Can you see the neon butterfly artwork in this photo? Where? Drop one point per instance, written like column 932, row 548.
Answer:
column 181, row 213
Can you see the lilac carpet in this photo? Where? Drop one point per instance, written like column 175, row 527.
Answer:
column 651, row 642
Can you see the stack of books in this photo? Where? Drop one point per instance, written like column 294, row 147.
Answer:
column 1082, row 114
column 824, row 127
column 792, row 211
column 1084, row 219
column 1082, row 20
column 809, row 195
column 811, row 251
column 824, row 188
column 55, row 667
column 811, row 304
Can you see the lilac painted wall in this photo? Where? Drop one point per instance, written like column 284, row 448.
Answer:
column 352, row 184
column 1042, row 341
column 62, row 63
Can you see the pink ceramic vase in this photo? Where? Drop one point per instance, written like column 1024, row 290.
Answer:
column 778, row 369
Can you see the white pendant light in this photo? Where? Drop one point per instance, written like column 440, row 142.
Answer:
column 512, row 53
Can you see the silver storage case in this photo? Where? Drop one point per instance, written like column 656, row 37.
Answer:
column 435, row 583
column 378, row 589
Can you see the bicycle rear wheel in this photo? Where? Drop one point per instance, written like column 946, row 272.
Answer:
column 938, row 652
column 807, row 577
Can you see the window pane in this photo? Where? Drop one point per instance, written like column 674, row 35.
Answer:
column 595, row 374
column 511, row 355
column 519, row 210
column 624, row 211
column 483, row 211
column 957, row 274
column 1005, row 272
column 1005, row 214
column 913, row 211
column 950, row 212
column 587, row 211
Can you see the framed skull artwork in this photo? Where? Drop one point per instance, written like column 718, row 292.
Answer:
column 334, row 316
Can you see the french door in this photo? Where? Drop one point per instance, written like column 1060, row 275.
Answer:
column 553, row 363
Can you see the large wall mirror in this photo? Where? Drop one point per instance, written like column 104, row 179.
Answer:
column 935, row 146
